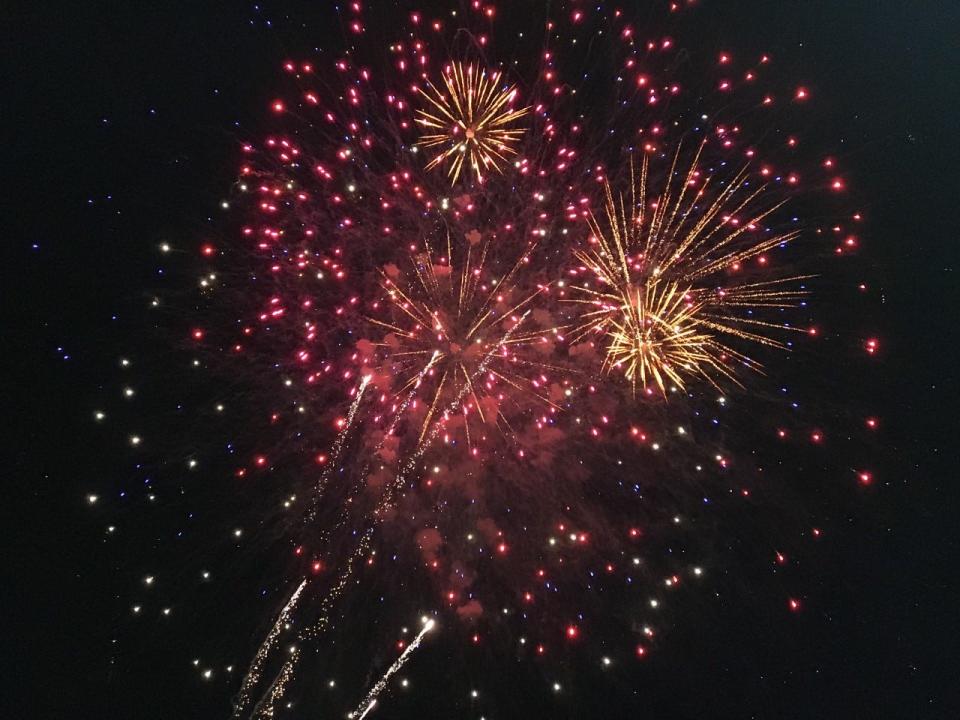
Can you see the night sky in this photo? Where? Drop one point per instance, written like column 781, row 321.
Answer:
column 126, row 123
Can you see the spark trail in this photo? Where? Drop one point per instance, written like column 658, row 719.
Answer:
column 265, row 707
column 370, row 700
column 255, row 671
column 337, row 446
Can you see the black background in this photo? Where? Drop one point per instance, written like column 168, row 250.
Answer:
column 119, row 133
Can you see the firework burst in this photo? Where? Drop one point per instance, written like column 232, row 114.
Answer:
column 669, row 287
column 451, row 326
column 373, row 326
column 468, row 123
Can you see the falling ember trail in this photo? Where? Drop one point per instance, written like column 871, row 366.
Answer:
column 337, row 446
column 370, row 700
column 406, row 401
column 256, row 666
column 266, row 706
column 370, row 707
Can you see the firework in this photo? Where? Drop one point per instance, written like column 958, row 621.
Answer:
column 456, row 328
column 469, row 124
column 667, row 294
column 434, row 376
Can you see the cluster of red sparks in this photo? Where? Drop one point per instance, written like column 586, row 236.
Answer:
column 440, row 313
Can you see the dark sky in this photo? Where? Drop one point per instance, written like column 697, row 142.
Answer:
column 119, row 133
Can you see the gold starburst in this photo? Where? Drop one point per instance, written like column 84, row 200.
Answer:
column 468, row 122
column 664, row 299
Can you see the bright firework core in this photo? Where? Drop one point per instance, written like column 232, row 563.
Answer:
column 655, row 336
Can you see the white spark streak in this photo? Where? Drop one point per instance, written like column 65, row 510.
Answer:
column 370, row 700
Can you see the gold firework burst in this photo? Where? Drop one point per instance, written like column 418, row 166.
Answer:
column 469, row 122
column 664, row 299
